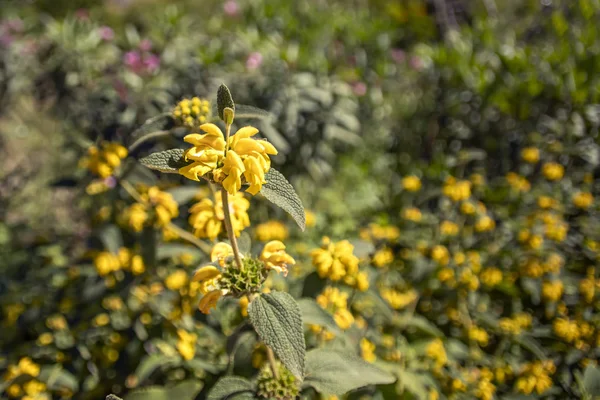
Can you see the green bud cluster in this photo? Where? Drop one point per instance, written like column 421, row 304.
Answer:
column 283, row 388
column 248, row 279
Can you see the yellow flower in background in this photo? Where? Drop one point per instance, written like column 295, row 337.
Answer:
column 186, row 344
column 271, row 230
column 275, row 257
column 136, row 216
column 336, row 302
column 380, row 232
column 553, row 171
column 518, row 182
column 435, row 350
column 412, row 214
column 535, row 377
column 335, row 260
column 103, row 161
column 456, row 190
column 228, row 162
column 478, row 335
column 192, row 112
column 106, row 263
column 157, row 208
column 25, row 366
column 398, row 300
column 491, row 276
column 176, row 280
column 448, row 228
column 552, row 290
column 411, row 183
column 485, row 224
column 206, row 216
column 530, row 155
column 440, row 255
column 383, row 257
column 244, row 302
column 583, row 200
column 367, row 350
column 311, row 218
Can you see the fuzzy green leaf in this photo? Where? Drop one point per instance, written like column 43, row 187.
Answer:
column 151, row 363
column 224, row 100
column 230, row 386
column 591, row 380
column 334, row 372
column 277, row 319
column 111, row 238
column 154, row 127
column 186, row 390
column 281, row 193
column 168, row 161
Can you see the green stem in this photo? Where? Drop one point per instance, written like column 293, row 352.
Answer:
column 229, row 228
column 272, row 363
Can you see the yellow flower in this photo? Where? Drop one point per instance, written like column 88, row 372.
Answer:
column 311, row 218
column 207, row 216
column 518, row 182
column 440, row 255
column 436, row 351
column 552, row 290
column 102, row 162
column 209, row 301
column 412, row 214
column 343, row 318
column 336, row 301
column 33, row 387
column 186, row 345
column 411, row 183
column 209, row 276
column 101, row 320
column 583, row 200
column 275, row 257
column 379, row 232
column 478, row 335
column 530, row 155
column 491, row 276
column 448, row 228
column 45, row 339
column 192, row 112
column 367, row 350
column 567, row 329
column 244, row 301
column 457, row 190
column 271, row 230
column 383, row 257
column 553, row 171
column 136, row 216
column 176, row 280
column 485, row 224
column 228, row 162
column 398, row 300
column 535, row 377
column 335, row 260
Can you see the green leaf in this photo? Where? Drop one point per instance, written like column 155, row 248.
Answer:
column 186, row 390
column 154, row 127
column 277, row 319
column 224, row 100
column 168, row 161
column 334, row 372
column 229, row 386
column 184, row 194
column 312, row 313
column 245, row 242
column 170, row 250
column 111, row 238
column 151, row 363
column 59, row 378
column 591, row 380
column 250, row 112
column 113, row 397
column 413, row 383
column 420, row 323
column 279, row 192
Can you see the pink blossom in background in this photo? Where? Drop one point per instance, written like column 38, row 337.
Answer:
column 133, row 60
column 398, row 55
column 416, row 63
column 110, row 182
column 231, row 8
column 6, row 39
column 106, row 33
column 359, row 88
column 146, row 45
column 15, row 24
column 151, row 62
column 254, row 60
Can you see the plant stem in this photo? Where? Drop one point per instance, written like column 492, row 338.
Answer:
column 229, row 228
column 272, row 363
column 227, row 134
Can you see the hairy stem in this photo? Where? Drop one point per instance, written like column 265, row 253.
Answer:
column 272, row 363
column 229, row 228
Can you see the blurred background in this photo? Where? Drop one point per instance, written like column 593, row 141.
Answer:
column 454, row 142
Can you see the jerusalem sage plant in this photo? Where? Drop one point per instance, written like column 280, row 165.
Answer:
column 229, row 162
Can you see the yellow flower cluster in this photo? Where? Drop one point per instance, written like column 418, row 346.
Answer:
column 553, row 171
column 103, row 161
column 207, row 217
column 478, row 335
column 398, row 300
column 530, row 155
column 25, row 366
column 516, row 324
column 435, row 350
column 157, row 208
column 440, row 255
column 552, row 290
column 518, row 182
column 107, row 262
column 583, row 200
column 271, row 230
column 491, row 276
column 412, row 214
column 383, row 257
column 275, row 257
column 367, row 350
column 336, row 261
column 186, row 344
column 485, row 224
column 379, row 232
column 192, row 112
column 456, row 190
column 228, row 162
column 334, row 300
column 30, row 390
column 589, row 286
column 411, row 183
column 535, row 376
column 448, row 228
